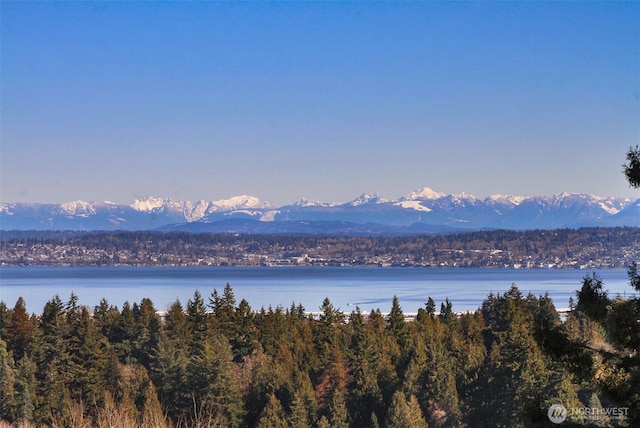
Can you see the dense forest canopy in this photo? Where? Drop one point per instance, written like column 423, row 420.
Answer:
column 217, row 362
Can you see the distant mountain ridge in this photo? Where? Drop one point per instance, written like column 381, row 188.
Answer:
column 417, row 212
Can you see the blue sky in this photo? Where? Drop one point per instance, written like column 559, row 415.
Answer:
column 204, row 100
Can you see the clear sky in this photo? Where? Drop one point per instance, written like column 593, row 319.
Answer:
column 203, row 100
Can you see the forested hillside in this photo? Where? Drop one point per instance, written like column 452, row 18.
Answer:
column 217, row 362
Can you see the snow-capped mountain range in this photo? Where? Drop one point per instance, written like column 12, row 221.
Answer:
column 416, row 212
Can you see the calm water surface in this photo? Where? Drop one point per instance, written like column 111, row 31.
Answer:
column 346, row 287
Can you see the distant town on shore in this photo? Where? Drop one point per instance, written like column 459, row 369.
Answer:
column 585, row 248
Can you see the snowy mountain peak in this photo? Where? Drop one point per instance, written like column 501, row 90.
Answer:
column 148, row 203
column 508, row 199
column 304, row 202
column 366, row 198
column 424, row 206
column 413, row 205
column 197, row 209
column 77, row 208
column 423, row 194
column 241, row 202
column 464, row 196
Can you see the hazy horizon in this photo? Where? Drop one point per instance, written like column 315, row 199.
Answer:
column 354, row 197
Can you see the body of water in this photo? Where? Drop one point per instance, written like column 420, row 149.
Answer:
column 346, row 287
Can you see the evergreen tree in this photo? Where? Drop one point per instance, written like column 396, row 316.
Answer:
column 273, row 375
column 170, row 374
column 632, row 168
column 5, row 317
column 331, row 320
column 414, row 374
column 262, row 382
column 634, row 276
column 55, row 367
column 561, row 389
column 364, row 393
column 599, row 419
column 333, row 380
column 26, row 390
column 272, row 327
column 272, row 415
column 212, row 385
column 622, row 323
column 592, row 298
column 430, row 307
column 439, row 394
column 338, row 411
column 19, row 331
column 178, row 330
column 301, row 342
column 323, row 422
column 72, row 309
column 152, row 415
column 299, row 417
column 107, row 320
column 115, row 414
column 304, row 390
column 235, row 323
column 385, row 353
column 396, row 323
column 127, row 335
column 547, row 327
column 223, row 307
column 51, row 322
column 150, row 330
column 111, row 371
column 88, row 349
column 446, row 311
column 415, row 418
column 374, row 421
column 197, row 318
column 514, row 376
column 330, row 315
column 243, row 342
column 403, row 414
column 7, row 382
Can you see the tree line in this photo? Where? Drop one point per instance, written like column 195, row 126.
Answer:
column 217, row 362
